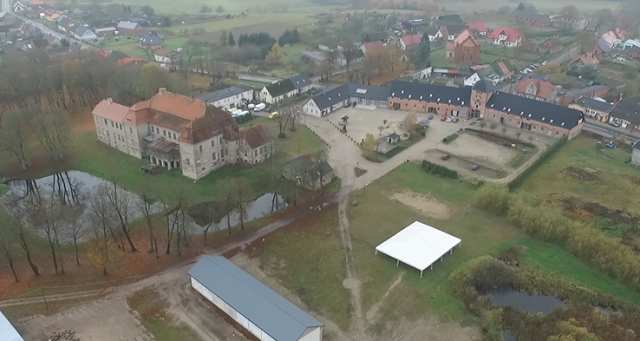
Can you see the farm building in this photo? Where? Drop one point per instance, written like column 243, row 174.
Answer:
column 419, row 246
column 253, row 305
column 7, row 331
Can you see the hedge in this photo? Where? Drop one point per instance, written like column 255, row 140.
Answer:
column 244, row 118
column 519, row 180
column 434, row 169
column 502, row 137
column 450, row 138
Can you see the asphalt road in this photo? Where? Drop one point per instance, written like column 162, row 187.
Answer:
column 609, row 132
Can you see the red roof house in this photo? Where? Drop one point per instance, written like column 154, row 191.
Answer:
column 478, row 28
column 537, row 89
column 506, row 36
column 370, row 46
column 581, row 60
column 409, row 41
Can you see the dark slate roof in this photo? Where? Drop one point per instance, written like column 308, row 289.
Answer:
column 272, row 313
column 592, row 103
column 535, row 110
column 314, row 55
column 453, row 18
column 150, row 39
column 225, row 93
column 431, row 31
column 116, row 56
column 531, row 15
column 485, row 86
column 608, row 81
column 280, row 88
column 603, row 45
column 305, row 164
column 582, row 92
column 300, row 81
column 628, row 109
column 344, row 92
column 431, row 93
column 455, row 29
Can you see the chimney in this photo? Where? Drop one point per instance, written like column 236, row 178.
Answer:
column 162, row 91
column 191, row 98
column 109, row 100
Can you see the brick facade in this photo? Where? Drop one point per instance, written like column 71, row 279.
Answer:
column 530, row 125
column 429, row 107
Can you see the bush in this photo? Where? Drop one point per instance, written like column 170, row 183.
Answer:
column 435, row 169
column 450, row 138
column 244, row 118
column 479, row 274
column 493, row 199
column 519, row 180
column 501, row 137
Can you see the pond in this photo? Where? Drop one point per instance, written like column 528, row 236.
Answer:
column 507, row 336
column 524, row 302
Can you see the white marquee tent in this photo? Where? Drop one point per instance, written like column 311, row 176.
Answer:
column 7, row 332
column 418, row 245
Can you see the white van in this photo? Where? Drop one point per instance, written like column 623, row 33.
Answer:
column 259, row 107
column 243, row 113
column 251, row 106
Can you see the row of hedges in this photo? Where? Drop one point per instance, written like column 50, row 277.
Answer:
column 450, row 138
column 519, row 180
column 502, row 137
column 244, row 118
column 434, row 169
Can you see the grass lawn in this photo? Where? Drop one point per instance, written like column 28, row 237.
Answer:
column 308, row 258
column 615, row 187
column 129, row 45
column 153, row 315
column 296, row 19
column 299, row 142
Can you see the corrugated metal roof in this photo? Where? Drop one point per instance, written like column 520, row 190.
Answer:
column 272, row 313
column 7, row 331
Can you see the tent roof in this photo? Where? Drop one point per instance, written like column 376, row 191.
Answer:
column 418, row 245
column 7, row 332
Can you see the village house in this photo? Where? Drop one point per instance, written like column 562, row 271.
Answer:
column 129, row 27
column 104, row 31
column 334, row 99
column 531, row 18
column 596, row 108
column 150, row 41
column 414, row 25
column 464, row 49
column 579, row 61
column 409, row 42
column 166, row 58
column 478, row 28
column 284, row 89
column 452, row 18
column 593, row 91
column 176, row 131
column 626, row 113
column 550, row 46
column 229, row 98
column 66, row 24
column 433, row 33
column 450, row 32
column 495, row 72
column 84, row 33
column 368, row 47
column 308, row 172
column 536, row 89
column 506, row 36
column 315, row 57
column 633, row 51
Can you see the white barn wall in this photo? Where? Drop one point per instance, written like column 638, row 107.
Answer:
column 314, row 334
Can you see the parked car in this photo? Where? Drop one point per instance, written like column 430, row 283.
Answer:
column 475, row 167
column 445, row 157
column 430, row 117
column 273, row 114
column 449, row 119
column 536, row 65
column 259, row 107
column 455, row 120
column 612, row 123
column 251, row 106
column 528, row 70
column 544, row 63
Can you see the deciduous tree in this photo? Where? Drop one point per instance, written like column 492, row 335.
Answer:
column 368, row 145
column 52, row 131
column 122, row 207
column 241, row 189
column 568, row 15
column 13, row 137
column 410, row 121
column 8, row 250
column 275, row 53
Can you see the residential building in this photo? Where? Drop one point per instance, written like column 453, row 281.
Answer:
column 150, row 41
column 276, row 92
column 450, row 32
column 368, row 47
column 251, row 304
column 316, row 57
column 51, row 15
column 84, row 33
column 633, row 52
column 453, row 18
column 478, row 28
column 483, row 101
column 495, row 72
column 433, row 33
column 536, row 89
column 506, row 36
column 612, row 83
column 531, row 18
column 464, row 48
column 301, row 83
column 601, row 46
column 626, row 113
column 594, row 91
column 229, row 98
column 308, row 172
column 409, row 42
column 414, row 25
column 167, row 58
column 635, row 154
column 129, row 27
column 550, row 46
column 579, row 61
column 596, row 108
column 103, row 31
column 356, row 56
column 334, row 99
column 176, row 131
column 66, row 24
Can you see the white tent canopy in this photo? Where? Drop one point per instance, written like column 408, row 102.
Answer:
column 7, row 332
column 418, row 245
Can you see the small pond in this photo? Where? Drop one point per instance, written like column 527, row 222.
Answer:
column 524, row 302
column 507, row 336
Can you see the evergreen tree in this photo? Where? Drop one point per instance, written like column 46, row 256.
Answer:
column 224, row 38
column 231, row 41
column 295, row 36
column 424, row 51
column 520, row 7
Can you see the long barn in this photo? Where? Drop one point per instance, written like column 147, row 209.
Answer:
column 257, row 308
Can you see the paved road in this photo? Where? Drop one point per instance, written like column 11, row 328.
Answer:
column 6, row 6
column 608, row 132
column 566, row 56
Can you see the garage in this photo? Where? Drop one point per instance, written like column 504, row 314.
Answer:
column 253, row 305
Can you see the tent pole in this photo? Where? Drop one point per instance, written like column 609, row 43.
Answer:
column 421, row 273
column 451, row 251
column 440, row 259
column 376, row 253
column 397, row 262
column 431, row 266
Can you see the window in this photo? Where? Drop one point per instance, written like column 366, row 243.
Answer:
column 214, row 155
column 105, row 121
column 187, row 161
column 130, row 129
column 255, row 153
column 213, row 142
column 174, row 136
column 112, row 124
column 200, row 148
column 164, row 132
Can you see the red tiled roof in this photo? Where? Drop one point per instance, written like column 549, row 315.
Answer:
column 413, row 39
column 511, row 33
column 372, row 45
column 587, row 59
column 257, row 136
column 138, row 114
column 479, row 67
column 505, row 70
column 103, row 53
column 543, row 88
column 128, row 60
column 111, row 111
column 477, row 26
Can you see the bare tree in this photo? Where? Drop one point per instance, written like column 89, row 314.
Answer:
column 12, row 135
column 319, row 169
column 482, row 124
column 493, row 126
column 350, row 53
column 45, row 213
column 295, row 119
column 122, row 206
column 241, row 187
column 283, row 118
column 145, row 205
column 52, row 132
column 228, row 204
column 410, row 121
column 18, row 228
column 211, row 215
column 102, row 220
column 73, row 224
column 167, row 212
column 7, row 249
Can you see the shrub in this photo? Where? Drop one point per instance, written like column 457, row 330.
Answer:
column 493, row 199
column 502, row 137
column 244, row 118
column 479, row 274
column 450, row 138
column 519, row 180
column 435, row 169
